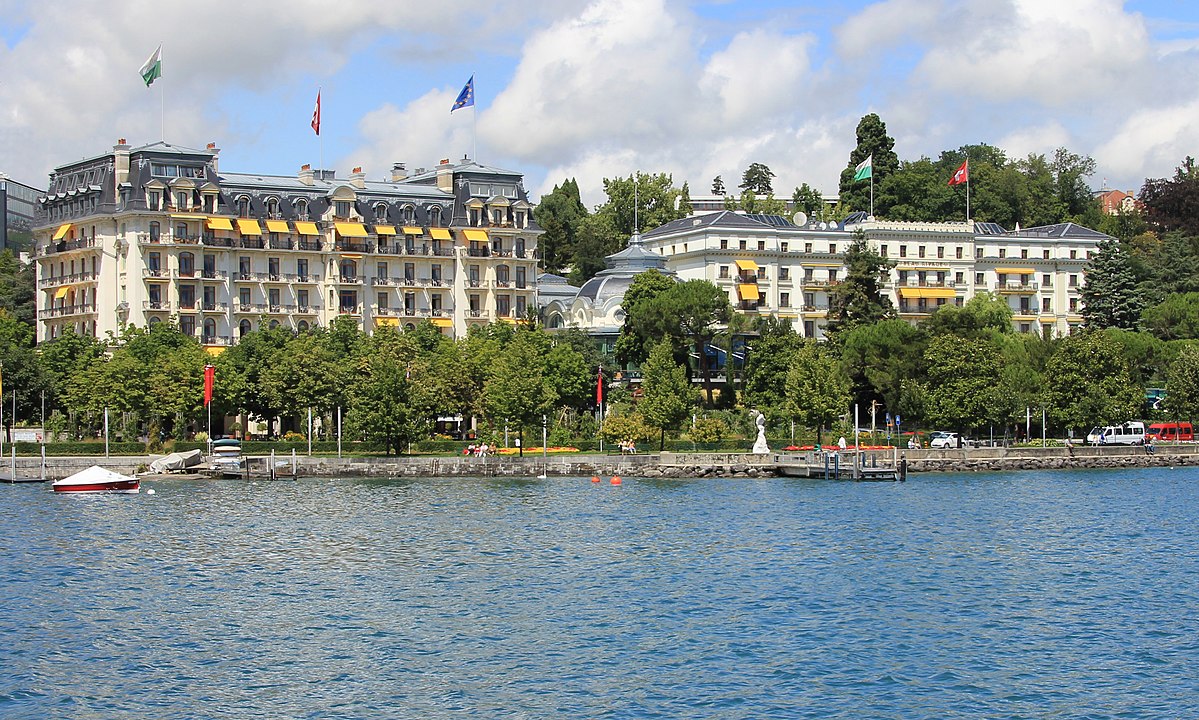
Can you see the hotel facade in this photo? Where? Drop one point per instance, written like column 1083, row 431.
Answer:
column 157, row 233
column 771, row 266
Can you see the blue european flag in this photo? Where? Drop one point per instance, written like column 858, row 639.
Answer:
column 466, row 98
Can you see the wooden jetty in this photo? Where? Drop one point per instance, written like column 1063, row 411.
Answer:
column 859, row 465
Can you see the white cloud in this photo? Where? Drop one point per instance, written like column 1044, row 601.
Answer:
column 1151, row 143
column 1040, row 139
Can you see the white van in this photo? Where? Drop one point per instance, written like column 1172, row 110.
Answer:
column 1130, row 433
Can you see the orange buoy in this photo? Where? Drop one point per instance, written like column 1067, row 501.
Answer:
column 615, row 480
column 594, row 478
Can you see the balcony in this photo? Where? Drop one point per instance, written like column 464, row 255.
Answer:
column 442, row 252
column 1016, row 287
column 213, row 274
column 244, row 276
column 217, row 307
column 349, row 309
column 474, row 283
column 77, row 309
column 309, row 245
column 155, row 306
column 915, row 309
column 750, row 306
column 817, row 283
column 68, row 245
column 213, row 241
column 747, row 279
column 252, row 243
column 220, row 340
column 182, row 239
column 305, row 310
column 256, row 308
column 305, row 278
column 153, row 272
column 188, row 305
column 353, row 247
column 69, row 279
column 478, row 252
column 926, row 283
column 817, row 307
column 384, row 281
column 280, row 244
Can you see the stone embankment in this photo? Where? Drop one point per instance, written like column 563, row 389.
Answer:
column 670, row 465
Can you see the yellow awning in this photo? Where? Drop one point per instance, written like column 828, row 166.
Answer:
column 385, row 230
column 914, row 268
column 354, row 256
column 188, row 216
column 1014, row 271
column 61, row 293
column 475, row 235
column 214, row 349
column 442, row 322
column 357, row 230
column 307, row 228
column 748, row 291
column 248, row 226
column 219, row 224
column 61, row 232
column 815, row 264
column 440, row 234
column 1048, row 321
column 939, row 293
column 747, row 265
column 509, row 320
column 387, row 322
column 277, row 226
column 412, row 230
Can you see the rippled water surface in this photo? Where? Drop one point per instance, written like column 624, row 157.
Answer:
column 1022, row 595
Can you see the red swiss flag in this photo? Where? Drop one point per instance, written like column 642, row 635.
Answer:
column 961, row 175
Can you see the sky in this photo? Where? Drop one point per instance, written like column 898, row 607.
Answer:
column 602, row 88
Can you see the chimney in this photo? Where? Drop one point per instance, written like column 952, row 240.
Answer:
column 212, row 148
column 120, row 162
column 398, row 172
column 358, row 178
column 306, row 174
column 445, row 176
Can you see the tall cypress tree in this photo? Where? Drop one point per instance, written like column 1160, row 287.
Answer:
column 859, row 299
column 873, row 141
column 1110, row 296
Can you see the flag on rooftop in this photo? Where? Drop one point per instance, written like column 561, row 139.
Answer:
column 961, row 175
column 152, row 70
column 466, row 98
column 316, row 114
column 864, row 169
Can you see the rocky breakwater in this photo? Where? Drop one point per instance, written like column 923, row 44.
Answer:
column 1051, row 458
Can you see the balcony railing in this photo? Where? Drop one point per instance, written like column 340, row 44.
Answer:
column 69, row 278
column 155, row 305
column 1017, row 287
column 76, row 309
column 214, row 307
column 219, row 241
column 356, row 247
column 67, row 245
column 930, row 283
column 213, row 274
column 309, row 245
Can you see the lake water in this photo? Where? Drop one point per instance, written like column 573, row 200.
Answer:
column 1014, row 595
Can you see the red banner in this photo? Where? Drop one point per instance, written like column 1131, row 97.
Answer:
column 209, row 377
column 599, row 387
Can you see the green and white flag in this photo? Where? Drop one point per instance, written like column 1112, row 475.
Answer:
column 864, row 169
column 152, row 70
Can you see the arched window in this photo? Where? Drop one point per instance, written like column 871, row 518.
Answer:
column 409, row 327
column 180, row 231
column 243, row 328
column 303, row 326
column 274, row 324
column 187, row 264
column 272, row 208
column 302, row 209
column 155, row 320
column 155, row 232
column 243, row 206
column 349, row 270
column 381, row 212
column 209, row 330
column 435, row 217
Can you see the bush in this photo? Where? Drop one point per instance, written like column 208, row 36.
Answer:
column 708, row 430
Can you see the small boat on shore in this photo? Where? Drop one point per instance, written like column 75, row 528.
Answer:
column 96, row 479
column 226, row 458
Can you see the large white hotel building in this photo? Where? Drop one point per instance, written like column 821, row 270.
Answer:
column 157, row 233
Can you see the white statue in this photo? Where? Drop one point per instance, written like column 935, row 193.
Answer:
column 760, row 446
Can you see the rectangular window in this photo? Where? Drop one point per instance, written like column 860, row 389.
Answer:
column 1002, row 253
column 724, row 243
column 520, row 306
column 243, row 297
column 978, row 278
column 742, row 244
column 302, row 299
column 187, row 325
column 882, row 250
column 1073, row 281
column 832, row 248
column 761, row 244
column 1046, row 254
column 302, row 270
column 341, row 208
column 809, row 328
column 349, row 301
column 381, row 301
column 784, row 299
column 783, row 247
column 503, row 306
column 1073, row 254
column 784, row 273
column 381, row 270
column 1046, row 305
column 903, row 251
column 724, row 272
column 959, row 277
column 187, row 296
column 155, row 296
column 1024, row 253
column 940, row 251
column 243, row 267
column 521, row 279
column 1073, row 304
column 832, row 276
column 920, row 251
column 409, row 303
column 272, row 268
column 436, row 274
column 957, row 253
column 435, row 303
column 1047, row 280
column 273, row 299
column 807, row 247
column 409, row 272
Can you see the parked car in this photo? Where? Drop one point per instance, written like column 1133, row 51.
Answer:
column 1129, row 433
column 1171, row 432
column 943, row 439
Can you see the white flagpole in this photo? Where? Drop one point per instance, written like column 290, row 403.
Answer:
column 872, row 190
column 967, row 188
column 162, row 98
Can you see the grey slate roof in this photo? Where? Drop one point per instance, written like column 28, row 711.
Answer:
column 724, row 218
column 1061, row 230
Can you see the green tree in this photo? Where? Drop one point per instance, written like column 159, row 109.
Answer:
column 983, row 314
column 1182, row 384
column 964, row 388
column 1175, row 318
column 568, row 373
column 685, row 208
column 1070, row 173
column 62, row 359
column 667, row 397
column 18, row 287
column 655, row 203
column 639, row 331
column 817, row 389
column 517, row 390
column 22, row 374
column 560, row 214
column 717, row 186
column 1110, row 295
column 767, row 364
column 757, row 179
column 1089, row 382
column 692, row 311
column 596, row 239
column 809, row 200
column 859, row 299
column 884, row 362
column 393, row 400
column 872, row 140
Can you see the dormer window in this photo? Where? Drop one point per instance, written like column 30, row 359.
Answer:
column 409, row 214
column 381, row 212
column 272, row 208
column 474, row 216
column 520, row 219
column 497, row 217
column 302, row 209
column 154, row 200
column 341, row 208
column 243, row 206
column 181, row 200
column 435, row 217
